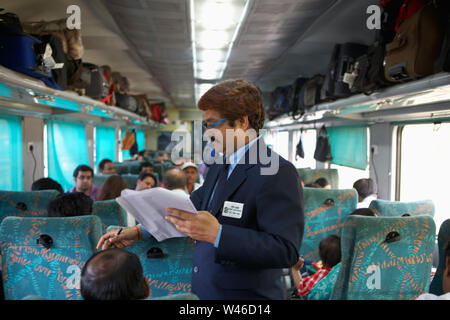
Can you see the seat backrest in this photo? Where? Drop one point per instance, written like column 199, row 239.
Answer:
column 178, row 296
column 385, row 258
column 25, row 204
column 131, row 180
column 310, row 175
column 398, row 208
column 133, row 167
column 99, row 179
column 110, row 213
column 121, row 168
column 443, row 237
column 171, row 274
column 323, row 218
column 29, row 268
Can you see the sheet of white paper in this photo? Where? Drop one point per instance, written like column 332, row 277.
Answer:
column 149, row 208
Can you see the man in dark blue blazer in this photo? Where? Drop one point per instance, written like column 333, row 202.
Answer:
column 250, row 220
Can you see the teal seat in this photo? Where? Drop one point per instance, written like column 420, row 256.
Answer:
column 99, row 179
column 159, row 169
column 171, row 274
column 322, row 290
column 179, row 296
column 29, row 268
column 133, row 167
column 121, row 168
column 310, row 175
column 324, row 218
column 34, row 203
column 131, row 180
column 398, row 208
column 375, row 268
column 110, row 213
column 443, row 237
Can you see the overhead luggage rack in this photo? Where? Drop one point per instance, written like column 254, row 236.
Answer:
column 23, row 95
column 427, row 98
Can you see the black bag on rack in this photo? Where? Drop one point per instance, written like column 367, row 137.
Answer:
column 344, row 55
column 311, row 91
column 297, row 101
column 59, row 73
column 323, row 146
column 299, row 152
column 98, row 88
column 126, row 102
column 280, row 102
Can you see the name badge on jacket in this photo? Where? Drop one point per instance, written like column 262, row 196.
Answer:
column 232, row 209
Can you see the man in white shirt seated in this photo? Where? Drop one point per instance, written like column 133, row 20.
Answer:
column 367, row 192
column 190, row 169
column 175, row 180
column 445, row 279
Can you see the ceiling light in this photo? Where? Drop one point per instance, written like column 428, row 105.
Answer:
column 211, row 55
column 217, row 15
column 212, row 39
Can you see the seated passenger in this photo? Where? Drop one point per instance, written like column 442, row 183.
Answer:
column 323, row 183
column 312, row 185
column 191, row 172
column 330, row 255
column 113, row 274
column 46, row 184
column 367, row 191
column 111, row 188
column 162, row 156
column 445, row 279
column 146, row 167
column 175, row 180
column 140, row 156
column 145, row 181
column 82, row 176
column 106, row 166
column 70, row 205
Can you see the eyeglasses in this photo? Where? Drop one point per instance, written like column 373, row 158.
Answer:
column 205, row 125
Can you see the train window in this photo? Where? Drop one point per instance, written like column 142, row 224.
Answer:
column 105, row 144
column 279, row 142
column 348, row 176
column 425, row 173
column 309, row 146
column 11, row 156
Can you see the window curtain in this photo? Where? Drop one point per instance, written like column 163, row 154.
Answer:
column 67, row 149
column 105, row 144
column 11, row 165
column 349, row 146
column 140, row 140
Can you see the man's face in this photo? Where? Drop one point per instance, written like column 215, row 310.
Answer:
column 218, row 133
column 109, row 168
column 83, row 181
column 147, row 183
column 191, row 175
column 147, row 170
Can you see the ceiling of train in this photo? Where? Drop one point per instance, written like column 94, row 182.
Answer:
column 271, row 42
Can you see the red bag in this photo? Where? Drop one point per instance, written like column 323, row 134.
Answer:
column 156, row 112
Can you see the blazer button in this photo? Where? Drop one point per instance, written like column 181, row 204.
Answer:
column 195, row 269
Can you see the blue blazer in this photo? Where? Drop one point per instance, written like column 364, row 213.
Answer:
column 253, row 249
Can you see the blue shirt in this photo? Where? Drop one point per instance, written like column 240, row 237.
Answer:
column 233, row 159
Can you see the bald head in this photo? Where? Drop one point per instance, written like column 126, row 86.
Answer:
column 113, row 274
column 174, row 179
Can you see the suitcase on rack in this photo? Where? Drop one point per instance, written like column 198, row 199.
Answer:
column 311, row 91
column 126, row 102
column 344, row 55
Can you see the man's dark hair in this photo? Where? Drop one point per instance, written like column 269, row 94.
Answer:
column 330, row 250
column 447, row 250
column 365, row 187
column 312, row 185
column 46, row 184
column 174, row 179
column 102, row 163
column 144, row 164
column 113, row 274
column 322, row 182
column 144, row 175
column 83, row 168
column 70, row 205
column 368, row 212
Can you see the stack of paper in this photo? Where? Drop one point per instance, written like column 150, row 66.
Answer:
column 149, row 208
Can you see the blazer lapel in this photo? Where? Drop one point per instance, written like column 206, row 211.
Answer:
column 209, row 185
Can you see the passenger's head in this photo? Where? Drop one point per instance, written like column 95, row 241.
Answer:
column 365, row 188
column 191, row 172
column 174, row 179
column 234, row 105
column 111, row 188
column 368, row 212
column 70, row 205
column 446, row 277
column 113, row 274
column 46, row 184
column 145, row 181
column 323, row 183
column 82, row 177
column 106, row 166
column 146, row 167
column 330, row 251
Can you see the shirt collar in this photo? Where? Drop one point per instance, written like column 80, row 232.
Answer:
column 235, row 157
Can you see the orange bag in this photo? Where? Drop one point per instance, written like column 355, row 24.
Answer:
column 128, row 141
